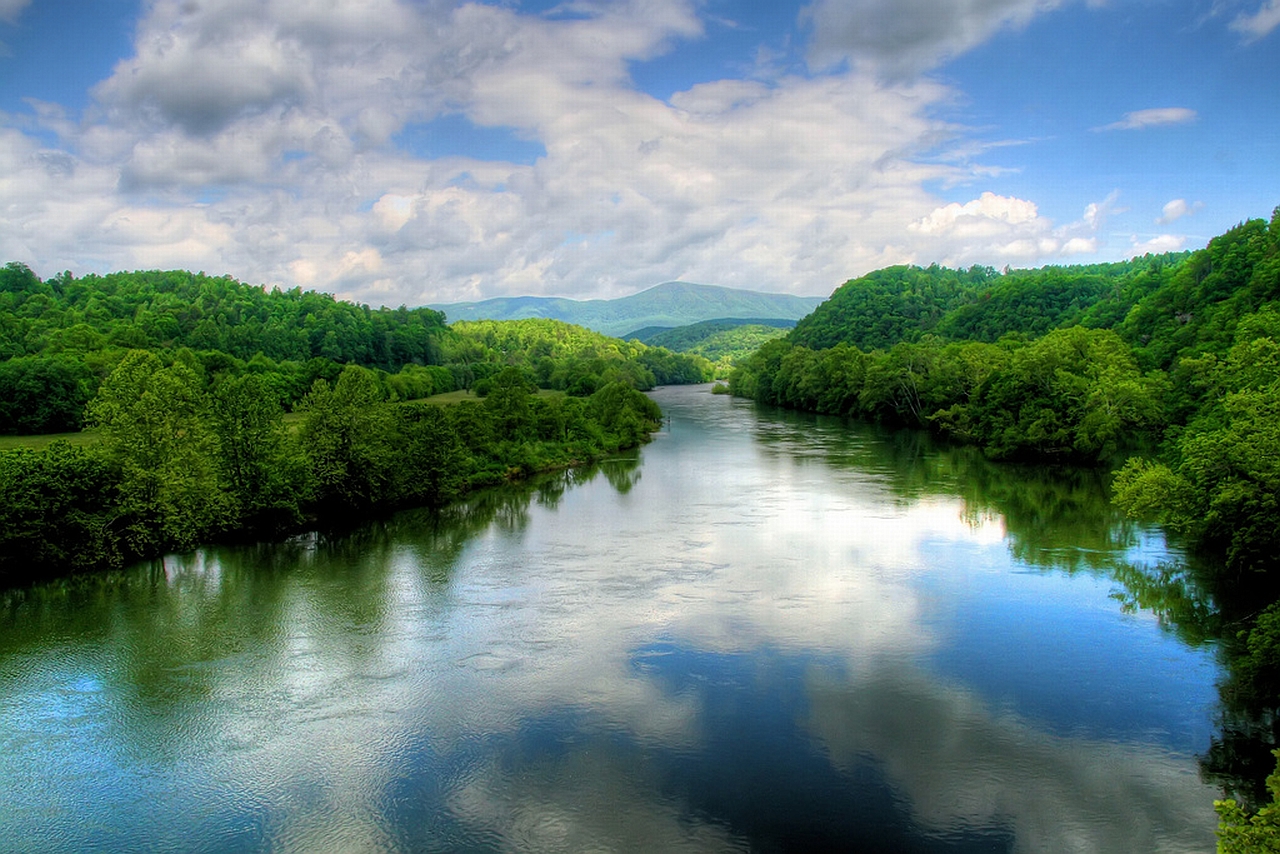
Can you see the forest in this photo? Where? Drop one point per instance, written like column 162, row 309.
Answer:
column 1166, row 366
column 215, row 409
column 722, row 342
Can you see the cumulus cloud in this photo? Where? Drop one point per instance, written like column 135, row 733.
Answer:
column 11, row 9
column 1010, row 230
column 262, row 139
column 1157, row 245
column 1176, row 209
column 904, row 37
column 1156, row 117
column 1260, row 23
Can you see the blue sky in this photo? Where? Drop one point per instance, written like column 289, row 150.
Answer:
column 413, row 151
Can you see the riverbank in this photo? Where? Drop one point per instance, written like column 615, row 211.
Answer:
column 173, row 468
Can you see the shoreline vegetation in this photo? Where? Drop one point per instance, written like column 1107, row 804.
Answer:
column 1166, row 366
column 178, row 408
column 174, row 466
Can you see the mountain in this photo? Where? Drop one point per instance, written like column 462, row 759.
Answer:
column 669, row 304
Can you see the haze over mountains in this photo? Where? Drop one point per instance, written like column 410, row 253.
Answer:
column 670, row 304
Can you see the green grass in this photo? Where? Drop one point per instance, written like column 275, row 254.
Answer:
column 451, row 397
column 41, row 441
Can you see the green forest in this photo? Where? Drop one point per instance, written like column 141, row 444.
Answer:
column 1166, row 366
column 722, row 342
column 215, row 409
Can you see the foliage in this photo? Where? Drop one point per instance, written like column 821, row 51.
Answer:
column 44, row 394
column 167, row 310
column 1076, row 393
column 1085, row 363
column 262, row 469
column 561, row 356
column 1220, row 481
column 154, row 420
column 888, row 306
column 345, row 435
column 1259, row 833
column 178, row 463
column 56, row 509
column 721, row 342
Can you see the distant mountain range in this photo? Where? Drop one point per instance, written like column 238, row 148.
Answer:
column 667, row 305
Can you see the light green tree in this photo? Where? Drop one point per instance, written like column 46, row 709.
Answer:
column 154, row 421
column 1242, row 833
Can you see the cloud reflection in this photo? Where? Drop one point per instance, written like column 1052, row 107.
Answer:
column 550, row 675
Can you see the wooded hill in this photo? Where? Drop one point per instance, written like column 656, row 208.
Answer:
column 668, row 305
column 1176, row 356
column 59, row 339
column 186, row 379
column 723, row 341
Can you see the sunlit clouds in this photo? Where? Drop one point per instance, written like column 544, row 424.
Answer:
column 396, row 152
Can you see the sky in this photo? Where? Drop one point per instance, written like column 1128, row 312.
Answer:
column 405, row 152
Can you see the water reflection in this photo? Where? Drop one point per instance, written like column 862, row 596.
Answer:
column 785, row 634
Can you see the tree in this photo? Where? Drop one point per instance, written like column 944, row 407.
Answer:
column 345, row 435
column 1221, row 483
column 260, row 465
column 55, row 510
column 154, row 422
column 507, row 401
column 1241, row 833
column 40, row 394
column 431, row 459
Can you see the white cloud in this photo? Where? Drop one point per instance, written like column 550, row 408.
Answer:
column 11, row 9
column 989, row 208
column 1176, row 209
column 1011, row 230
column 1096, row 213
column 257, row 139
column 1156, row 117
column 904, row 37
column 1157, row 245
column 1260, row 23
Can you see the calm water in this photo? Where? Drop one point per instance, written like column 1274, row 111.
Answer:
column 764, row 632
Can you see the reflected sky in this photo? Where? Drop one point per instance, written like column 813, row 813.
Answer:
column 761, row 633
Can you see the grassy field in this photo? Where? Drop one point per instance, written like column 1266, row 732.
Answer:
column 459, row 396
column 43, row 440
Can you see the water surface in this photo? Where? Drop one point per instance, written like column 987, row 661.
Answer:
column 763, row 632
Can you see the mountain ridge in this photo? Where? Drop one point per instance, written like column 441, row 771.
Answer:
column 668, row 304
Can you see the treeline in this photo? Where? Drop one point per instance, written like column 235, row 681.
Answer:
column 186, row 380
column 182, row 459
column 1174, row 356
column 59, row 339
column 722, row 342
column 569, row 358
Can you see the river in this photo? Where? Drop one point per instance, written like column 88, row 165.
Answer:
column 763, row 631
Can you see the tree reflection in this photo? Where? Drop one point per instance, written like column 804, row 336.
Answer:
column 220, row 602
column 1061, row 519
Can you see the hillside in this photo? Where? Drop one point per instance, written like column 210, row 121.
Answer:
column 680, row 339
column 670, row 304
column 61, row 338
